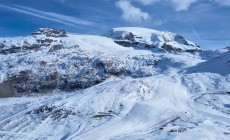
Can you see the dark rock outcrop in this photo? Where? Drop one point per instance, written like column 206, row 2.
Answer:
column 6, row 89
column 50, row 32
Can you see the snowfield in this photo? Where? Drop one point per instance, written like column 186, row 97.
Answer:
column 131, row 83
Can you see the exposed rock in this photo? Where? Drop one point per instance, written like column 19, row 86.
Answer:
column 87, row 71
column 111, row 66
column 12, row 49
column 55, row 48
column 170, row 48
column 45, row 42
column 32, row 47
column 56, row 113
column 181, row 40
column 50, row 32
column 6, row 89
column 129, row 36
column 124, row 43
column 42, row 63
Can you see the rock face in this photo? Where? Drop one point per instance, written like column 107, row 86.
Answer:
column 41, row 37
column 141, row 38
column 6, row 90
column 50, row 32
column 81, row 71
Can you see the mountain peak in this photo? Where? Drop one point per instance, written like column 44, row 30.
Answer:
column 152, row 39
column 50, row 32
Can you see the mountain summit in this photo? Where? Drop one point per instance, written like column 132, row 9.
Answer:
column 142, row 38
column 50, row 32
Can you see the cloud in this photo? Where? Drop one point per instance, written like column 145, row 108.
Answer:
column 147, row 2
column 55, row 17
column 178, row 5
column 132, row 13
column 181, row 5
column 223, row 2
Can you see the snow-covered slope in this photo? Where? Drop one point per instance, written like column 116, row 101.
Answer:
column 90, row 87
column 219, row 64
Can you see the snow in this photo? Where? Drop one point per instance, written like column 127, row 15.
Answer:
column 161, row 96
column 219, row 64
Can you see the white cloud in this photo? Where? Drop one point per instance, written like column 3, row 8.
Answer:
column 178, row 5
column 181, row 5
column 55, row 17
column 147, row 2
column 131, row 13
column 223, row 2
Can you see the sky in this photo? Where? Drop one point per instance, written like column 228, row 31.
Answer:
column 205, row 22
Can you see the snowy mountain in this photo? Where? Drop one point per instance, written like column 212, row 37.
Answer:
column 140, row 38
column 130, row 83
